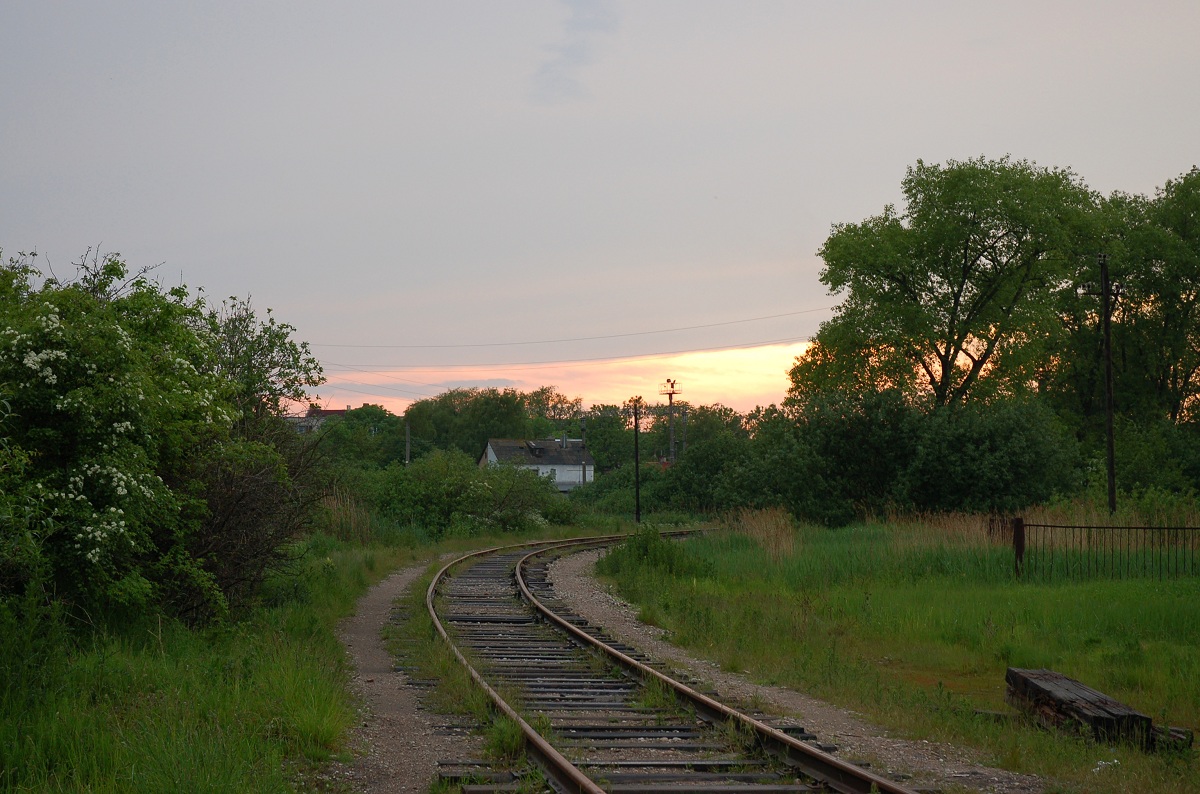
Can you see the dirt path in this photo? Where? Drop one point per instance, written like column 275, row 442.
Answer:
column 399, row 743
column 929, row 765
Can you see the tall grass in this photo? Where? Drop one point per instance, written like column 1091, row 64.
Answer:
column 164, row 707
column 914, row 623
column 771, row 528
column 1149, row 507
column 347, row 518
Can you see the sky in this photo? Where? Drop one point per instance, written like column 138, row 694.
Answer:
column 590, row 194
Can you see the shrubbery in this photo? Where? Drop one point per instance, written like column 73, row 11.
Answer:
column 445, row 492
column 139, row 471
column 442, row 491
column 841, row 457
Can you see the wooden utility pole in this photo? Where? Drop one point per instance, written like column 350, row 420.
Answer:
column 637, row 462
column 1106, row 294
column 670, row 388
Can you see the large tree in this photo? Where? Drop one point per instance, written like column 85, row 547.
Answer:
column 1159, row 304
column 1153, row 247
column 952, row 297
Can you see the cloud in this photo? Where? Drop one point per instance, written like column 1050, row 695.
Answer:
column 557, row 81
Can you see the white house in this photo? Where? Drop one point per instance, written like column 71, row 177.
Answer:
column 566, row 460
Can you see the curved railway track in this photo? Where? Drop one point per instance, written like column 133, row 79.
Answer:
column 608, row 719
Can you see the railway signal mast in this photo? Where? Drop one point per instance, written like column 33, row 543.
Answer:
column 671, row 388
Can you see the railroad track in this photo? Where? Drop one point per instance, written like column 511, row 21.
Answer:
column 608, row 719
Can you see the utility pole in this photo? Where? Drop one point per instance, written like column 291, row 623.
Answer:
column 683, row 416
column 670, row 388
column 1106, row 293
column 637, row 468
column 407, row 442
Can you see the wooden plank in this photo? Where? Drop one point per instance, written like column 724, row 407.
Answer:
column 1063, row 702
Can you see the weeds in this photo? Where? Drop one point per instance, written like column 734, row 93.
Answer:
column 771, row 528
column 503, row 739
column 657, row 696
column 164, row 707
column 914, row 624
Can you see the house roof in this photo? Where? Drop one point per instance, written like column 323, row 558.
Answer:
column 544, row 452
column 314, row 410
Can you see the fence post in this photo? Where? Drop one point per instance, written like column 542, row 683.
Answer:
column 1018, row 536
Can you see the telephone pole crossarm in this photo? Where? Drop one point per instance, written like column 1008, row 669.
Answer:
column 670, row 388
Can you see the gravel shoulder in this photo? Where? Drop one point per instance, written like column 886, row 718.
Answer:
column 397, row 744
column 930, row 765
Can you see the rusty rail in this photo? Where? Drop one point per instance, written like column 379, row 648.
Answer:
column 556, row 766
column 833, row 772
column 825, row 770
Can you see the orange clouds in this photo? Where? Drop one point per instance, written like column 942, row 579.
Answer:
column 739, row 378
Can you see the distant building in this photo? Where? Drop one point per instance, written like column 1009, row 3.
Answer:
column 566, row 460
column 315, row 417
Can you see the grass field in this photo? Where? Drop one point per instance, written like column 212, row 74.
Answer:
column 255, row 706
column 915, row 624
column 258, row 705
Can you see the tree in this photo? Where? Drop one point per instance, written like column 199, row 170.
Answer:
column 551, row 412
column 609, row 437
column 1000, row 457
column 1160, row 299
column 953, row 297
column 370, row 437
column 465, row 419
column 258, row 359
column 137, row 492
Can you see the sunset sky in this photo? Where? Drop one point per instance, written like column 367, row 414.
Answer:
column 740, row 378
column 573, row 193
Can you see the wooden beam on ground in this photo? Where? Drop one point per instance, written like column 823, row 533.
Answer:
column 1061, row 702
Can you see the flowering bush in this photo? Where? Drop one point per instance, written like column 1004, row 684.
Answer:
column 117, row 414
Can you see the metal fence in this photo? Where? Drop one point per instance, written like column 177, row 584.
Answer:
column 1046, row 552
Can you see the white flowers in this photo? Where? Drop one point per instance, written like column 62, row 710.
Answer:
column 39, row 363
column 95, row 536
column 49, row 321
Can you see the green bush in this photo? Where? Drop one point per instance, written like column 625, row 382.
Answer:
column 446, row 492
column 647, row 550
column 144, row 467
column 988, row 458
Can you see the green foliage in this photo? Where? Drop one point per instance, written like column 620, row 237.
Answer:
column 161, row 706
column 443, row 491
column 464, row 419
column 972, row 316
column 835, row 457
column 504, row 740
column 998, row 458
column 646, row 549
column 609, row 437
column 370, row 437
column 143, row 467
column 953, row 297
column 262, row 367
column 446, row 492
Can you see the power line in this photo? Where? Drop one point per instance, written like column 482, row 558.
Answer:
column 576, row 338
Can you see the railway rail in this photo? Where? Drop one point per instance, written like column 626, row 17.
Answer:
column 608, row 719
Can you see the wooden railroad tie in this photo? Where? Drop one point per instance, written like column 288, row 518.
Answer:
column 1061, row 702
